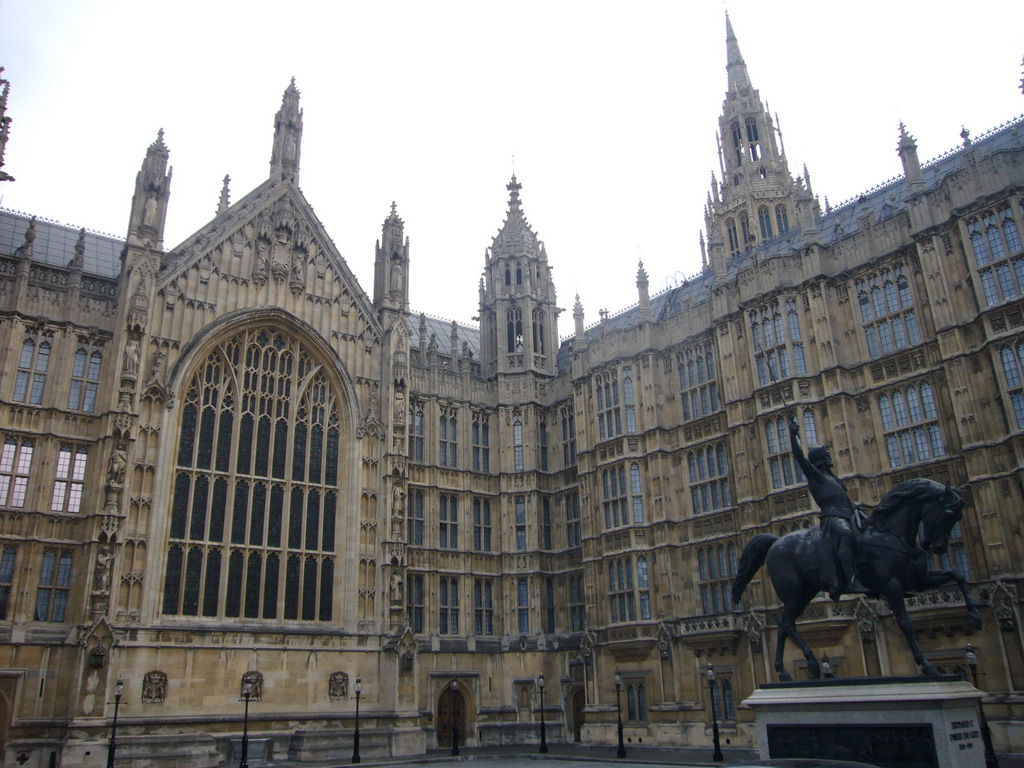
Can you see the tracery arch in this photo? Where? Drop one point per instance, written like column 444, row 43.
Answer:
column 254, row 502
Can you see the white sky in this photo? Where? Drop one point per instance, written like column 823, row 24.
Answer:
column 610, row 109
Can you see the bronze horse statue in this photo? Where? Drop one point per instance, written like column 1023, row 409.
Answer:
column 891, row 562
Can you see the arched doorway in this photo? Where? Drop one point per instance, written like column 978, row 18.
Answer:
column 450, row 719
column 579, row 701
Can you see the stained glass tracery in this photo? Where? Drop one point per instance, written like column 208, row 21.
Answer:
column 255, row 493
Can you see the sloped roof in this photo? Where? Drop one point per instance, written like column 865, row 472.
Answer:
column 442, row 329
column 55, row 244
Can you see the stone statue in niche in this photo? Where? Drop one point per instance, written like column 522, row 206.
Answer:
column 397, row 588
column 101, row 574
column 117, row 467
column 399, row 406
column 154, row 687
column 396, row 279
column 131, row 356
column 337, row 686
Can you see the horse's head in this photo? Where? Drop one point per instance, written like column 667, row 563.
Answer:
column 938, row 516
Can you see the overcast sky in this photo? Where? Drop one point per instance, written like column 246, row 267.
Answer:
column 610, row 109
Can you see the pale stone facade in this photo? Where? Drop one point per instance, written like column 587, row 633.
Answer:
column 225, row 460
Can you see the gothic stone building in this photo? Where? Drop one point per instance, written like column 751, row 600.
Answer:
column 224, row 463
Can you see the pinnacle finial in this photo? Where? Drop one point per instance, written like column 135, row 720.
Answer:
column 225, row 195
column 735, row 66
column 394, row 208
column 513, row 187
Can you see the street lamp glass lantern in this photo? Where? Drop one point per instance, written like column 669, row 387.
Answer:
column 711, row 672
column 119, row 688
column 540, row 681
column 359, row 685
column 247, row 689
column 618, row 679
column 455, row 685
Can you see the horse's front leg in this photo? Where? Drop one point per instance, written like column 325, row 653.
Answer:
column 894, row 597
column 933, row 579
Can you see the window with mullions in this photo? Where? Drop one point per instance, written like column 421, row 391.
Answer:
column 481, row 443
column 629, row 400
column 995, row 241
column 54, row 585
column 887, row 311
column 7, row 556
column 520, row 502
column 523, row 605
column 448, row 445
column 609, row 412
column 621, row 590
column 545, row 523
column 910, row 421
column 254, row 502
column 517, row 445
column 448, row 519
column 1012, row 359
column 416, row 432
column 568, row 437
column 636, row 700
column 483, row 607
column 549, row 606
column 414, row 518
column 32, row 366
column 733, row 237
column 70, row 479
column 716, row 566
column 448, row 605
column 709, row 481
column 414, row 603
column 15, row 467
column 698, row 381
column 775, row 341
column 482, row 524
column 764, row 221
column 722, row 700
column 577, row 604
column 613, row 487
column 573, row 533
column 543, row 429
column 781, row 219
column 783, row 469
column 85, row 380
column 636, row 491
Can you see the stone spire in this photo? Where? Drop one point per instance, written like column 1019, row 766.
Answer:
column 577, row 316
column 391, row 265
column 642, row 284
column 152, row 191
column 225, row 196
column 284, row 159
column 739, row 79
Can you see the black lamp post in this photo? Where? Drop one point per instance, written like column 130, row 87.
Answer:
column 246, row 695
column 118, row 690
column 355, row 740
column 455, row 727
column 991, row 761
column 618, row 709
column 713, row 687
column 543, row 733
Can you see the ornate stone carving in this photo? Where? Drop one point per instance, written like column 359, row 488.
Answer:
column 337, row 686
column 154, row 687
column 255, row 681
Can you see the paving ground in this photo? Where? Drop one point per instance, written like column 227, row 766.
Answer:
column 571, row 756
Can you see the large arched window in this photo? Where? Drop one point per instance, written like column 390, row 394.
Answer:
column 255, row 492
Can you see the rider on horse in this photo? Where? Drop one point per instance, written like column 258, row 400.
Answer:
column 837, row 511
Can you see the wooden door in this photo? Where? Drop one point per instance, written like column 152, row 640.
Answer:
column 579, row 701
column 451, row 717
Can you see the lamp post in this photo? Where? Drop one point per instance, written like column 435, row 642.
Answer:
column 118, row 690
column 618, row 710
column 355, row 740
column 246, row 696
column 455, row 727
column 543, row 733
column 713, row 687
column 991, row 761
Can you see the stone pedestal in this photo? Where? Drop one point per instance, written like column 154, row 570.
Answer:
column 919, row 722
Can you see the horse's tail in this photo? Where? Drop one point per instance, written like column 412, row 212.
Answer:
column 750, row 562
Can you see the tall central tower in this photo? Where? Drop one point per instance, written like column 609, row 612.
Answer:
column 757, row 199
column 518, row 314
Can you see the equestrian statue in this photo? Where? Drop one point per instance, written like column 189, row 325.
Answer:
column 888, row 556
